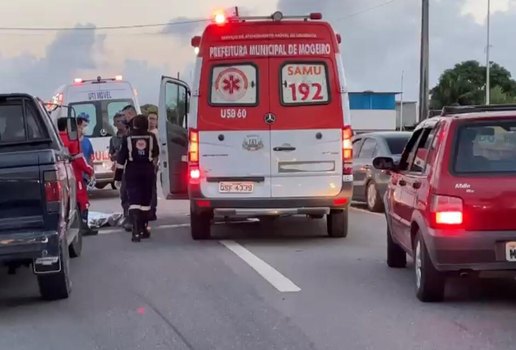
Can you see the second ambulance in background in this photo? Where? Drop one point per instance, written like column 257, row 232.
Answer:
column 101, row 99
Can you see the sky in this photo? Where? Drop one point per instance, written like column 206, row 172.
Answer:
column 380, row 39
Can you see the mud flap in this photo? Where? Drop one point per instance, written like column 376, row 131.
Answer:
column 49, row 264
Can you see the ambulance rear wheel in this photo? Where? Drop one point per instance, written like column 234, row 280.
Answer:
column 200, row 225
column 337, row 223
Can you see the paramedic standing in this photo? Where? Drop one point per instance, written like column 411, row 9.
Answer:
column 129, row 112
column 80, row 167
column 116, row 142
column 136, row 163
column 153, row 127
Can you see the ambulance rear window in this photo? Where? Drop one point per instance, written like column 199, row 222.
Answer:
column 234, row 85
column 304, row 83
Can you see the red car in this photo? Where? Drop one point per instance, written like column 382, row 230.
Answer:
column 451, row 201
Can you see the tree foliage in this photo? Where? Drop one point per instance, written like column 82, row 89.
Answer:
column 465, row 84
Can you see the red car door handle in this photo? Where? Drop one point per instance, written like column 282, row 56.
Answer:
column 402, row 182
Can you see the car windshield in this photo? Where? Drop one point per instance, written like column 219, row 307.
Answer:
column 487, row 147
column 397, row 144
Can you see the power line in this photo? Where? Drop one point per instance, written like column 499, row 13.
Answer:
column 130, row 26
column 367, row 9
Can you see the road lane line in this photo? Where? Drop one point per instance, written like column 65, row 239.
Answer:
column 270, row 274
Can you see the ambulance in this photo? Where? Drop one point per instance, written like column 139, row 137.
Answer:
column 101, row 99
column 265, row 129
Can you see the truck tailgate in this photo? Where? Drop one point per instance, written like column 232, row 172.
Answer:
column 22, row 203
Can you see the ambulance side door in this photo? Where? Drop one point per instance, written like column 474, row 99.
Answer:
column 173, row 136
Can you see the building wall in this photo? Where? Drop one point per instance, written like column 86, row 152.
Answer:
column 372, row 111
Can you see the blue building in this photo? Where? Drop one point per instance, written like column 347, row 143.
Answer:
column 373, row 111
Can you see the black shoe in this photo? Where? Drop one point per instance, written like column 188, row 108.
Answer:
column 146, row 233
column 136, row 238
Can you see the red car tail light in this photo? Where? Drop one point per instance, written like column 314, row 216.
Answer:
column 446, row 211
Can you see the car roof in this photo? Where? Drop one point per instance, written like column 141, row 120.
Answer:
column 16, row 95
column 384, row 134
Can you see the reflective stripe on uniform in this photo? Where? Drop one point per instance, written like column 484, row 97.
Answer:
column 119, row 166
column 139, row 207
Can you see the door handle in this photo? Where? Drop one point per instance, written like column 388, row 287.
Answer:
column 416, row 185
column 284, row 149
column 402, row 182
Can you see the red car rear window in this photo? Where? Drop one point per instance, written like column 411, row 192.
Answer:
column 486, row 147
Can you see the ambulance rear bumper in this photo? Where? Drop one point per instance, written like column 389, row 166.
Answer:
column 249, row 207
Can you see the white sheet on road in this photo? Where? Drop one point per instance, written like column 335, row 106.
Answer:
column 97, row 219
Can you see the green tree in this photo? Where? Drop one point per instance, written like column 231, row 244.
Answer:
column 465, row 83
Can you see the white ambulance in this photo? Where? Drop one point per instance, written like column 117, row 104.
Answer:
column 268, row 132
column 101, row 99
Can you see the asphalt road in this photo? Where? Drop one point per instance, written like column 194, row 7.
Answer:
column 280, row 285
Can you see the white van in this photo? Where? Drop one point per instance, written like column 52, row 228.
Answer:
column 268, row 133
column 101, row 99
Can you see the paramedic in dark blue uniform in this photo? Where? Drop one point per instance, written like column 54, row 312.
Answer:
column 137, row 158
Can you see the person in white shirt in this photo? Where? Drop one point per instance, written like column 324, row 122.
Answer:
column 153, row 127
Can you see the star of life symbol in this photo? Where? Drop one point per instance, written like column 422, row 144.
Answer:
column 231, row 84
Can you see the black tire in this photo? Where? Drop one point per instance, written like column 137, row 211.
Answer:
column 55, row 286
column 396, row 256
column 431, row 284
column 375, row 203
column 337, row 223
column 200, row 225
column 75, row 249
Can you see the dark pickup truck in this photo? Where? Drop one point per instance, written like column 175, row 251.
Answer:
column 39, row 222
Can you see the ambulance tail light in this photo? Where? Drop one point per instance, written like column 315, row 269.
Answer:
column 446, row 212
column 347, row 151
column 193, row 146
column 53, row 189
column 194, row 171
column 316, row 16
column 347, row 146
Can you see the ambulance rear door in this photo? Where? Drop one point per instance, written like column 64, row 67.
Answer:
column 173, row 136
column 306, row 130
column 233, row 132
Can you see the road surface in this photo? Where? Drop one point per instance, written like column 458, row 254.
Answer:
column 263, row 286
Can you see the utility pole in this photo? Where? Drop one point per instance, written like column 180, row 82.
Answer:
column 401, row 101
column 423, row 78
column 488, row 61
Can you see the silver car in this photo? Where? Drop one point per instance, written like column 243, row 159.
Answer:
column 369, row 184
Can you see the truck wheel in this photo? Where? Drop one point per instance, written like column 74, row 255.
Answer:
column 374, row 201
column 396, row 256
column 55, row 286
column 337, row 223
column 75, row 249
column 200, row 225
column 429, row 282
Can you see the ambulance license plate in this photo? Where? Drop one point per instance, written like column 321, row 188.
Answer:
column 236, row 187
column 510, row 251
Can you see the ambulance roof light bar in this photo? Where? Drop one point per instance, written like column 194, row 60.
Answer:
column 276, row 17
column 99, row 79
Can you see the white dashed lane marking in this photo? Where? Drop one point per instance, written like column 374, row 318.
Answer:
column 269, row 273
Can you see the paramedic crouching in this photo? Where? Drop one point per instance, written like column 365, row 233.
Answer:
column 136, row 163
